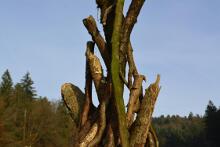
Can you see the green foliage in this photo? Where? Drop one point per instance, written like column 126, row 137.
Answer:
column 176, row 131
column 27, row 85
column 29, row 120
column 6, row 84
column 6, row 87
column 212, row 121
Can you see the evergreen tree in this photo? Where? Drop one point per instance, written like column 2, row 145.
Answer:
column 6, row 88
column 6, row 84
column 211, row 108
column 27, row 85
column 212, row 121
column 190, row 116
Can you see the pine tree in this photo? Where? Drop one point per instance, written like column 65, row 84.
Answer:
column 212, row 128
column 27, row 85
column 211, row 108
column 6, row 87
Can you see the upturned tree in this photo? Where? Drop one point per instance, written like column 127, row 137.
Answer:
column 111, row 124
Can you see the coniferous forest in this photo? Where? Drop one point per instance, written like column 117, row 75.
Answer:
column 33, row 121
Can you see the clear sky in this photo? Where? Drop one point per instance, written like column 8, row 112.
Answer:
column 179, row 39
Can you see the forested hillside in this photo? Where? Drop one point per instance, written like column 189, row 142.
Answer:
column 190, row 131
column 30, row 120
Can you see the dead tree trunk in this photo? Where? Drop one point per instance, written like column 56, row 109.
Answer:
column 110, row 124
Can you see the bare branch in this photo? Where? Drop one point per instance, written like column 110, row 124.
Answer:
column 132, row 67
column 131, row 18
column 90, row 25
column 88, row 88
column 86, row 128
column 134, row 95
column 105, row 15
column 90, row 136
column 105, row 5
column 124, row 80
column 101, row 125
column 101, row 3
column 95, row 68
column 128, row 25
column 140, row 127
column 110, row 137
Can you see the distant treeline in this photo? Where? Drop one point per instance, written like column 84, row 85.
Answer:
column 191, row 131
column 29, row 120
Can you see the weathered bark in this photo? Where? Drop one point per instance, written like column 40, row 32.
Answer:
column 90, row 24
column 134, row 103
column 102, row 125
column 88, row 88
column 109, row 138
column 109, row 124
column 95, row 68
column 74, row 99
column 140, row 127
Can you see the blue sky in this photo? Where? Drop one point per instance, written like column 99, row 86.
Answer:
column 179, row 39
